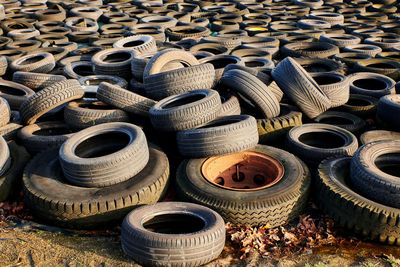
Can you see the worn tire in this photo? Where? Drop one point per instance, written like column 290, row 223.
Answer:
column 193, row 245
column 370, row 180
column 124, row 99
column 335, row 86
column 87, row 162
column 10, row 181
column 173, row 82
column 301, row 88
column 350, row 209
column 343, row 120
column 253, row 89
column 275, row 205
column 36, row 81
column 327, row 141
column 52, row 135
column 142, row 44
column 186, row 111
column 273, row 131
column 49, row 98
column 225, row 135
column 389, row 110
column 371, row 84
column 53, row 200
column 44, row 64
column 14, row 93
column 86, row 113
column 360, row 105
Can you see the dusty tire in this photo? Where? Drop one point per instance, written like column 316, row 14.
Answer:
column 224, row 135
column 5, row 112
column 301, row 88
column 196, row 242
column 374, row 171
column 14, row 93
column 5, row 159
column 173, row 82
column 351, row 210
column 378, row 135
column 360, row 105
column 124, row 99
column 273, row 131
column 10, row 181
column 315, row 142
column 44, row 135
column 186, row 111
column 274, row 205
column 140, row 43
column 77, row 207
column 388, row 110
column 36, row 81
column 371, row 84
column 86, row 113
column 343, row 120
column 35, row 62
column 335, row 86
column 251, row 88
column 160, row 59
column 104, row 154
column 49, row 98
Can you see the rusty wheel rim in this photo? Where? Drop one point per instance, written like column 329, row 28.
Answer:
column 244, row 171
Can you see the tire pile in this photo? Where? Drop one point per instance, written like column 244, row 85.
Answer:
column 106, row 105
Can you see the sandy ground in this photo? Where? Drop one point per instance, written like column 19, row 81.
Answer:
column 23, row 243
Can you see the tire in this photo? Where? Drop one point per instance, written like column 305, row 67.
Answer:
column 198, row 241
column 5, row 160
column 253, row 89
column 124, row 99
column 277, row 205
column 23, row 34
column 53, row 200
column 49, row 98
column 86, row 113
column 142, row 44
column 224, row 135
column 36, row 81
column 186, row 111
column 78, row 69
column 340, row 40
column 344, row 120
column 160, row 59
column 44, row 135
column 301, row 88
column 368, row 49
column 14, row 93
column 229, row 104
column 106, row 63
column 213, row 48
column 321, row 65
column 57, row 52
column 260, row 75
column 315, row 142
column 388, row 110
column 335, row 86
column 95, row 80
column 371, row 84
column 387, row 67
column 179, row 32
column 10, row 181
column 24, row 45
column 350, row 58
column 87, row 162
column 44, row 63
column 349, row 209
column 220, row 62
column 309, row 49
column 69, row 60
column 3, row 65
column 273, row 131
column 5, row 113
column 164, row 84
column 360, row 105
column 368, row 176
column 378, row 135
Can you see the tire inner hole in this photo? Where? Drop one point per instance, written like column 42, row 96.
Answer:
column 102, row 144
column 322, row 140
column 32, row 60
column 184, row 101
column 389, row 163
column 370, row 84
column 133, row 43
column 327, row 79
column 174, row 224
column 11, row 91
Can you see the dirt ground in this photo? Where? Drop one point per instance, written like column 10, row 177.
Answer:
column 25, row 243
